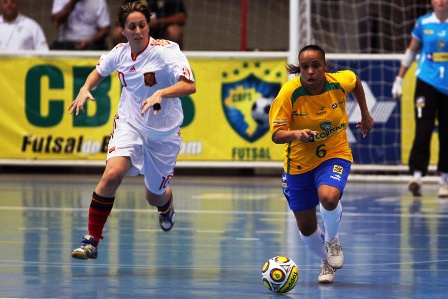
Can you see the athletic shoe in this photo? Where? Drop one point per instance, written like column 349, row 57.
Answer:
column 335, row 254
column 87, row 250
column 443, row 190
column 415, row 187
column 326, row 273
column 167, row 219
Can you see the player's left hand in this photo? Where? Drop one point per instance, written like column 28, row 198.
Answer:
column 397, row 88
column 153, row 101
column 366, row 124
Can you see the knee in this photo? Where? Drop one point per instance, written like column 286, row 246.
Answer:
column 330, row 203
column 111, row 178
column 329, row 197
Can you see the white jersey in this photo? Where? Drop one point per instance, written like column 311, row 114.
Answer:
column 159, row 66
column 84, row 21
column 23, row 33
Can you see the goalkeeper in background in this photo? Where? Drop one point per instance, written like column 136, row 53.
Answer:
column 309, row 117
column 430, row 40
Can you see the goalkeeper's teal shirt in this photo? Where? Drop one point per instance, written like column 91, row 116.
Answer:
column 432, row 65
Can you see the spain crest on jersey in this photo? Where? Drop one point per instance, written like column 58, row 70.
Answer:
column 246, row 105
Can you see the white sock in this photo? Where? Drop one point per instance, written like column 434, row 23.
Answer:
column 315, row 243
column 443, row 178
column 331, row 221
column 417, row 175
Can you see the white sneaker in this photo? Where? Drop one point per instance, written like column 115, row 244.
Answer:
column 335, row 254
column 415, row 187
column 443, row 190
column 167, row 218
column 88, row 249
column 326, row 274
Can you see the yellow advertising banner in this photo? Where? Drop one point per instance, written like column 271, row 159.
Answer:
column 225, row 120
column 407, row 120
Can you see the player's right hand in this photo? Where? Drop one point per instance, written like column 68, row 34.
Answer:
column 305, row 135
column 78, row 104
column 397, row 88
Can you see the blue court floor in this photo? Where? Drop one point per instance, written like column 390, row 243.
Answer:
column 395, row 246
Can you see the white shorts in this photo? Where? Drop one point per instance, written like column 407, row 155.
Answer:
column 154, row 158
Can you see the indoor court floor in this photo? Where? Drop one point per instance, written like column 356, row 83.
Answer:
column 395, row 246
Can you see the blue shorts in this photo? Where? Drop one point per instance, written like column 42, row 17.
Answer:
column 300, row 190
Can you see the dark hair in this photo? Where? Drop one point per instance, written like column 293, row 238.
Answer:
column 295, row 69
column 126, row 9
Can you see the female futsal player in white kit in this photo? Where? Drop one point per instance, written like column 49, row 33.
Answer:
column 146, row 135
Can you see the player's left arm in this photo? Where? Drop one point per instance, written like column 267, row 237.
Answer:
column 183, row 87
column 366, row 123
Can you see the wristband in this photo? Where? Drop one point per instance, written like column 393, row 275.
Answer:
column 408, row 58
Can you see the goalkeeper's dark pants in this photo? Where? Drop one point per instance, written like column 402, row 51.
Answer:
column 429, row 105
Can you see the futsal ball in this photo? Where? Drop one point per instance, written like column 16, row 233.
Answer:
column 260, row 110
column 280, row 274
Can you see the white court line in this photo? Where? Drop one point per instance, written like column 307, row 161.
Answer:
column 96, row 265
column 390, row 235
column 159, row 230
column 270, row 232
column 221, row 212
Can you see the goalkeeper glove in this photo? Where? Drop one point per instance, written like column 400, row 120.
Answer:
column 397, row 88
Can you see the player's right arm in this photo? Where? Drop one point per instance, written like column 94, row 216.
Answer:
column 280, row 120
column 84, row 94
column 284, row 136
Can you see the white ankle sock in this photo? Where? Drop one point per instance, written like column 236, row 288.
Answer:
column 331, row 221
column 417, row 176
column 315, row 243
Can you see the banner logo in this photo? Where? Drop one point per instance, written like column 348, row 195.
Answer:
column 246, row 105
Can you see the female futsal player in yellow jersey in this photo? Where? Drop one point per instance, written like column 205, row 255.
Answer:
column 308, row 116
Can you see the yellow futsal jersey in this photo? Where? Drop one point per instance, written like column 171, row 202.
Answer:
column 295, row 108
